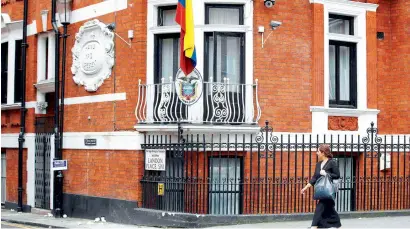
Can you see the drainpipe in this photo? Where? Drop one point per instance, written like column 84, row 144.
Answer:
column 22, row 111
column 57, row 174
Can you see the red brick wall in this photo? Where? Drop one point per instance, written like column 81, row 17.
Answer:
column 395, row 88
column 318, row 57
column 284, row 65
column 104, row 173
column 12, row 175
column 289, row 67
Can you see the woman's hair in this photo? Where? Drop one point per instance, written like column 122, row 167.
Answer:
column 325, row 149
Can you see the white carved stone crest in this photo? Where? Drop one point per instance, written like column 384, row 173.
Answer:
column 42, row 105
column 93, row 55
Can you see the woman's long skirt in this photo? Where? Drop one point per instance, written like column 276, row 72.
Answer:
column 325, row 215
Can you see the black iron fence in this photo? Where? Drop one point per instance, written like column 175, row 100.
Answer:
column 263, row 173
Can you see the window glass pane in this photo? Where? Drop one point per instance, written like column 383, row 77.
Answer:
column 210, row 57
column 228, row 54
column 18, row 73
column 344, row 71
column 332, row 72
column 340, row 26
column 169, row 58
column 167, row 17
column 228, row 16
column 225, row 175
column 4, row 62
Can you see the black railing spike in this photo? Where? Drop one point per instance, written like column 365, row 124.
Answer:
column 266, row 123
column 372, row 124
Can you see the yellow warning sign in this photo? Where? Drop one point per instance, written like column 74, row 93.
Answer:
column 161, row 189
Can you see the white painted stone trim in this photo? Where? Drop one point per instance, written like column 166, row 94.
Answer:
column 74, row 100
column 344, row 111
column 85, row 13
column 153, row 128
column 105, row 140
column 95, row 98
column 99, row 9
column 344, row 3
column 342, row 37
column 13, row 106
column 320, row 118
column 41, row 69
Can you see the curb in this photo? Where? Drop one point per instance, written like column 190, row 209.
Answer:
column 30, row 223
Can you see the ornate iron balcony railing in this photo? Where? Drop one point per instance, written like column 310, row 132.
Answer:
column 220, row 103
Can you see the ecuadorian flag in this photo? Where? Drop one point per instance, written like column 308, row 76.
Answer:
column 185, row 19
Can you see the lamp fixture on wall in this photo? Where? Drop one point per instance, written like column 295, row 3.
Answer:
column 273, row 24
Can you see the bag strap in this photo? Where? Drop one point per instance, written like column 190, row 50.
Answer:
column 327, row 162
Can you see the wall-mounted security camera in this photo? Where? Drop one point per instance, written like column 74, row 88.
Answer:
column 269, row 3
column 111, row 27
column 275, row 24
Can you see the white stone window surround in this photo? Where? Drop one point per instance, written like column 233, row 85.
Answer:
column 45, row 84
column 11, row 32
column 320, row 115
column 196, row 111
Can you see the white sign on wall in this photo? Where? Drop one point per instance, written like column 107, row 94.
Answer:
column 93, row 55
column 155, row 159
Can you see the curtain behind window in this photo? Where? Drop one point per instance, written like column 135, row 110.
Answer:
column 228, row 54
column 225, row 16
column 339, row 26
column 344, row 72
column 332, row 72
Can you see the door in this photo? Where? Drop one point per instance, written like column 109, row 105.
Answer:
column 3, row 177
column 225, row 189
column 344, row 197
column 224, row 67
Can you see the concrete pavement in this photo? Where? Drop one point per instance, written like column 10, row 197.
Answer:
column 38, row 220
column 381, row 222
column 45, row 221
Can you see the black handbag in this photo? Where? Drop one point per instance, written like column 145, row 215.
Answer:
column 324, row 188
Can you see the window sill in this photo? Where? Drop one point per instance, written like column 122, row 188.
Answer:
column 13, row 106
column 336, row 106
column 344, row 111
column 46, row 86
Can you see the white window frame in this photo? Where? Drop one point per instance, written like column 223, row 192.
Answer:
column 10, row 32
column 195, row 111
column 44, row 85
column 357, row 10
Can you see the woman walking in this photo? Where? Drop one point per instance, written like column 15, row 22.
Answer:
column 325, row 214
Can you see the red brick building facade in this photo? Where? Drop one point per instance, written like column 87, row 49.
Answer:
column 331, row 67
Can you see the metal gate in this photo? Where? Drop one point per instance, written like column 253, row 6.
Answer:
column 44, row 130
